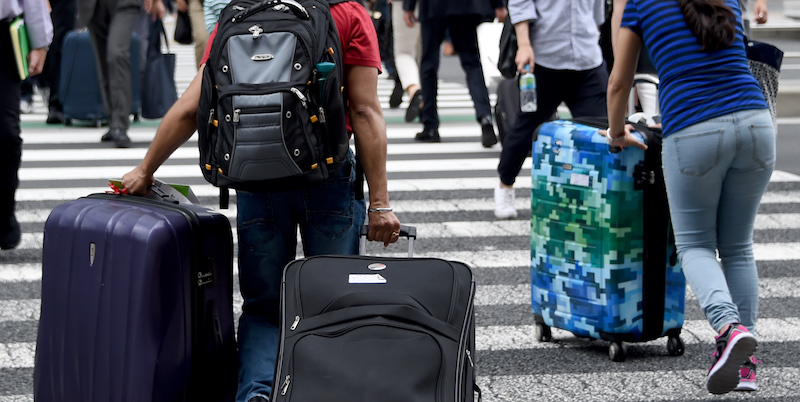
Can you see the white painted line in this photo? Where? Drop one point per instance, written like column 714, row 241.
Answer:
column 57, row 155
column 493, row 295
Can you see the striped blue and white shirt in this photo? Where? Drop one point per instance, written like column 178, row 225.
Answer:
column 695, row 86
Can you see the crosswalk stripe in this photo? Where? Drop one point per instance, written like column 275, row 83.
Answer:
column 504, row 337
column 485, row 296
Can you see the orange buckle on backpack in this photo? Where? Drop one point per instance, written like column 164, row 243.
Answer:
column 313, row 118
column 314, row 166
column 208, row 167
column 329, row 160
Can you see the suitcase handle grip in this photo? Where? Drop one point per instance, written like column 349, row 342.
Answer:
column 406, row 231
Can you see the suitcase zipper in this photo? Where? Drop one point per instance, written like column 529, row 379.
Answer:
column 285, row 385
column 294, row 324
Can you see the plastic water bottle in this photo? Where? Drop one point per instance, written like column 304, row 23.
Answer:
column 527, row 91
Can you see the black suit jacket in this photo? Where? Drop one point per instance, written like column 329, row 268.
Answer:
column 431, row 9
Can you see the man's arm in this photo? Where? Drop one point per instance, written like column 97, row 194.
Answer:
column 522, row 12
column 366, row 117
column 175, row 129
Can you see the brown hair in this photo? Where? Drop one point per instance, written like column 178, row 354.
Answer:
column 711, row 21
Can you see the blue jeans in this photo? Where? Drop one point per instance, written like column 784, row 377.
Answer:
column 329, row 218
column 716, row 172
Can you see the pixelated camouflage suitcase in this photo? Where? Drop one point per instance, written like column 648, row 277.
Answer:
column 603, row 262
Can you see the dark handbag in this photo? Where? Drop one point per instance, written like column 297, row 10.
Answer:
column 183, row 29
column 158, row 91
column 508, row 51
column 765, row 64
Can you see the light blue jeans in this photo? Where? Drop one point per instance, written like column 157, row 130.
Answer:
column 329, row 218
column 716, row 172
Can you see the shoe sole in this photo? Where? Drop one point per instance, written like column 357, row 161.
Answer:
column 413, row 110
column 724, row 377
column 746, row 386
column 488, row 139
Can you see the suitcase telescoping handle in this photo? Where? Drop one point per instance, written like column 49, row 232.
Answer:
column 409, row 232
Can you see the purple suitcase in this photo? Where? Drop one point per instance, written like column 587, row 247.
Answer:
column 137, row 303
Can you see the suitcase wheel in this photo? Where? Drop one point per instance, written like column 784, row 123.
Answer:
column 542, row 333
column 675, row 346
column 617, row 351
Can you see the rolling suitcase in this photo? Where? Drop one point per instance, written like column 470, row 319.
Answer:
column 603, row 261
column 362, row 329
column 79, row 83
column 136, row 303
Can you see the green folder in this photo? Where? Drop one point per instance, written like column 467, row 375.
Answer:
column 19, row 40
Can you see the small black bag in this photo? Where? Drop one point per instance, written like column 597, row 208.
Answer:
column 183, row 28
column 508, row 51
column 765, row 64
column 158, row 93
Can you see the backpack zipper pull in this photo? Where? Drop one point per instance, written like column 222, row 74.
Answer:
column 299, row 95
column 294, row 324
column 236, row 115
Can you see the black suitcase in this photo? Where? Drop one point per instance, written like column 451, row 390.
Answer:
column 137, row 303
column 79, row 83
column 506, row 106
column 360, row 328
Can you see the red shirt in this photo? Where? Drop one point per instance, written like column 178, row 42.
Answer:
column 357, row 36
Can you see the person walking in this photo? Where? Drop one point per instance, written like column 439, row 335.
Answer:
column 40, row 34
column 461, row 18
column 718, row 154
column 111, row 24
column 568, row 64
column 328, row 215
column 63, row 17
column 407, row 51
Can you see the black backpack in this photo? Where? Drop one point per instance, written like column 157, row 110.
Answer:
column 269, row 116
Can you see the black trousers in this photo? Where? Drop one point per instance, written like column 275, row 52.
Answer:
column 584, row 92
column 111, row 30
column 63, row 16
column 10, row 140
column 463, row 33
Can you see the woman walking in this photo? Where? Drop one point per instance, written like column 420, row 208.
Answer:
column 718, row 156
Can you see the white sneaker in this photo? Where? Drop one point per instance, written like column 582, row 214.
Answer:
column 504, row 203
column 25, row 107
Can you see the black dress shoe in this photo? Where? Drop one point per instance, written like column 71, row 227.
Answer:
column 107, row 137
column 428, row 135
column 488, row 137
column 119, row 136
column 414, row 106
column 397, row 95
column 55, row 117
column 11, row 235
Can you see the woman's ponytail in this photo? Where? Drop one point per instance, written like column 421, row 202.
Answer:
column 712, row 22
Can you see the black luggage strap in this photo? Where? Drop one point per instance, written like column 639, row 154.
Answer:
column 657, row 229
column 224, row 197
column 359, row 183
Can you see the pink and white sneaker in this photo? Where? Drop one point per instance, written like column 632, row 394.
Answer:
column 747, row 375
column 734, row 348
